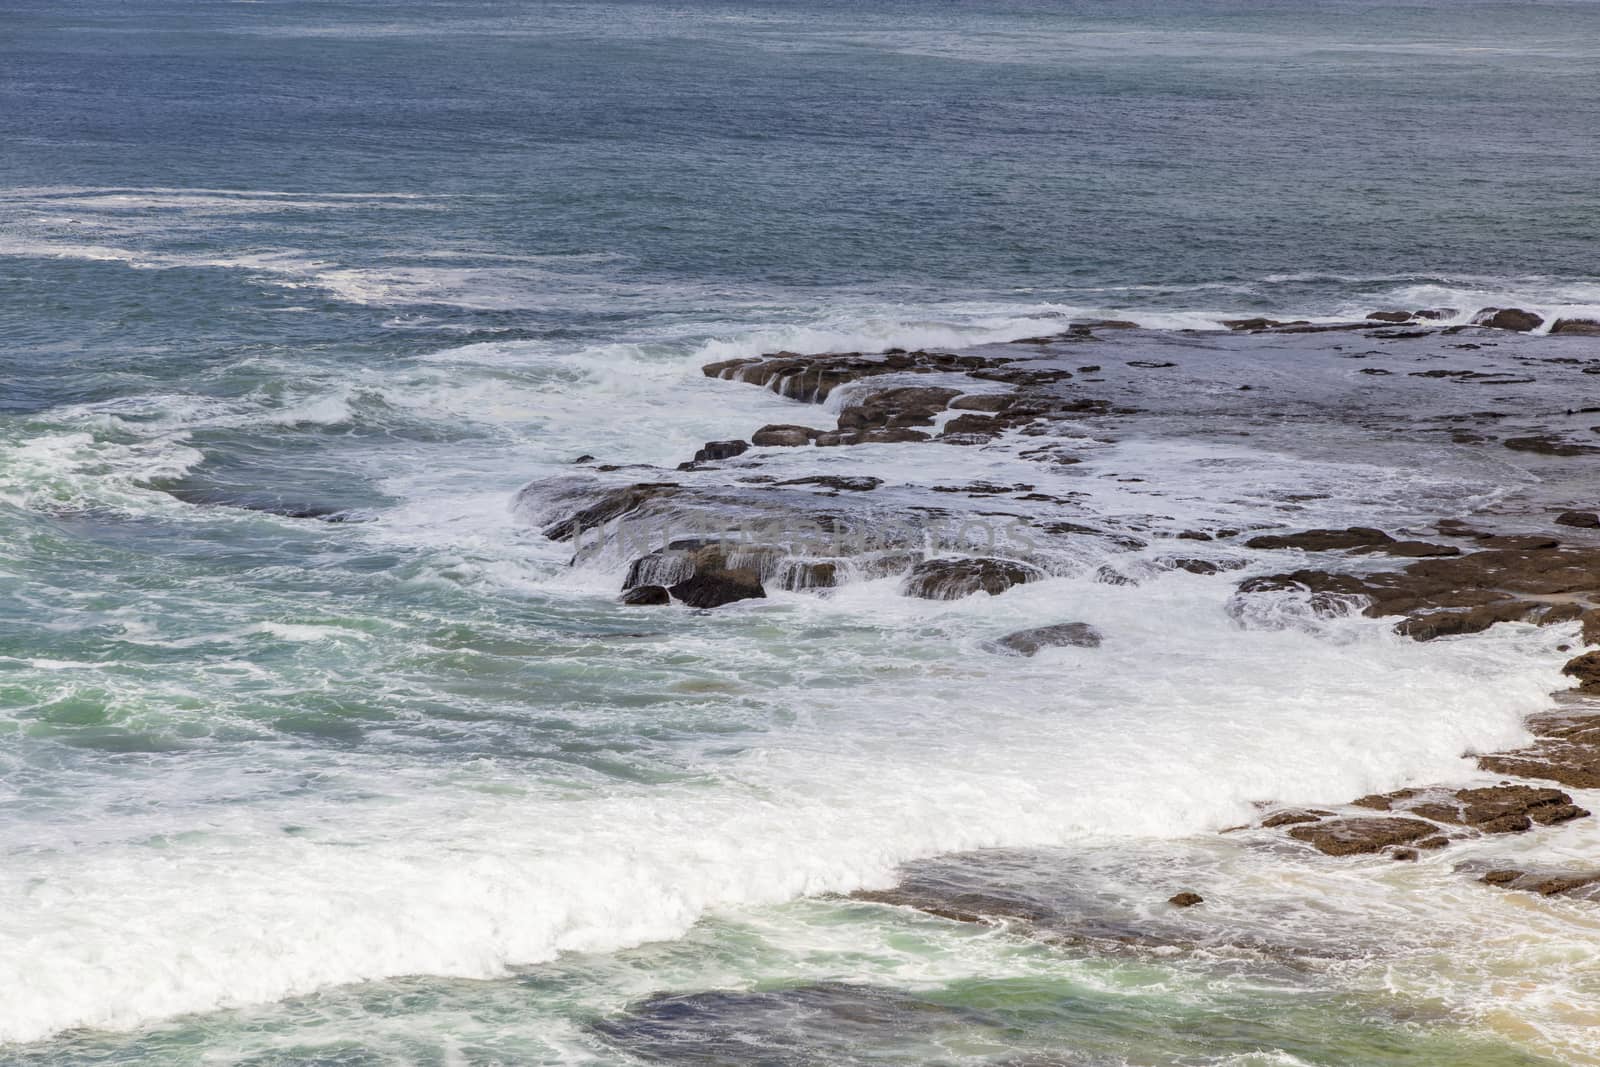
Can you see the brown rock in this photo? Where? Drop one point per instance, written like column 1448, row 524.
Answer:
column 1497, row 809
column 1391, row 316
column 1349, row 837
column 1582, row 327
column 1546, row 883
column 1585, row 520
column 1567, row 751
column 646, row 595
column 1508, row 319
column 1288, row 818
column 1185, row 899
column 1586, row 669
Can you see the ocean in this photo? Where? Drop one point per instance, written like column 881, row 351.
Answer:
column 314, row 749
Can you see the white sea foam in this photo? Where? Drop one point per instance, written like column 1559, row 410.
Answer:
column 1174, row 726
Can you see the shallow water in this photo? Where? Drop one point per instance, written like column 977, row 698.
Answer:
column 405, row 787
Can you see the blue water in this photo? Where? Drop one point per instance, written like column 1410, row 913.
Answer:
column 406, row 788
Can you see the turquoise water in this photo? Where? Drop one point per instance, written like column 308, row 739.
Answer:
column 404, row 787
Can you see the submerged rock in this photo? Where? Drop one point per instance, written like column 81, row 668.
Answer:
column 1028, row 642
column 833, row 1023
column 1186, row 899
column 646, row 595
column 952, row 579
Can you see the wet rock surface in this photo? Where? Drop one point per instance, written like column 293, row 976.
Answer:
column 1357, row 836
column 1498, row 809
column 952, row 579
column 1546, row 881
column 1061, row 635
column 646, row 596
column 1566, row 750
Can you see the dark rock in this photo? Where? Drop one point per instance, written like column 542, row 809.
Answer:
column 1150, row 364
column 1581, row 327
column 981, row 402
column 1586, row 520
column 1417, row 549
column 1519, row 542
column 646, row 595
column 1323, row 540
column 613, row 504
column 1186, row 899
column 1391, row 316
column 1427, row 625
column 974, row 426
column 1028, row 642
column 1508, row 319
column 706, row 574
column 801, row 575
column 1548, row 445
column 1258, row 324
column 842, row 483
column 1199, row 566
column 1437, row 313
column 717, row 450
column 714, row 589
column 1349, row 837
column 783, row 436
column 952, row 579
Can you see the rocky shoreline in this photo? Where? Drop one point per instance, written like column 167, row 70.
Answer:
column 1531, row 557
